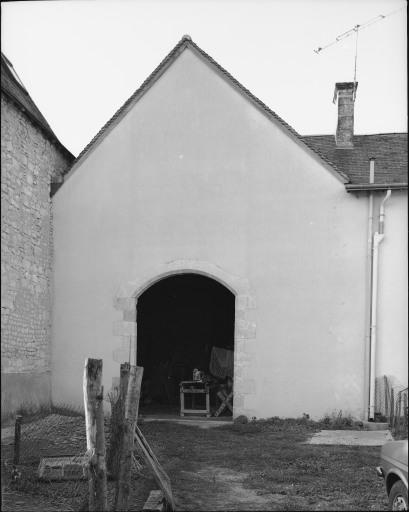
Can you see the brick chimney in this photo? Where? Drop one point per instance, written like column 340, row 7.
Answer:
column 345, row 92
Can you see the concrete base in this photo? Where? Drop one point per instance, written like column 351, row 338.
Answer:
column 352, row 437
column 26, row 390
column 193, row 422
column 372, row 425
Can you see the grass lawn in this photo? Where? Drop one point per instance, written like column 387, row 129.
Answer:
column 263, row 466
column 254, row 466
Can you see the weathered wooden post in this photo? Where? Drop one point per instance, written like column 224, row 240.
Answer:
column 17, row 438
column 127, row 447
column 94, row 424
column 392, row 410
column 117, row 423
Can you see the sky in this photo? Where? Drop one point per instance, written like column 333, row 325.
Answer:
column 81, row 60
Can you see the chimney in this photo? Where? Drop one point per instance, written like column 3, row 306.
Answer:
column 345, row 92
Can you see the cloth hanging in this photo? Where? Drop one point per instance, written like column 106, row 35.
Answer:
column 221, row 362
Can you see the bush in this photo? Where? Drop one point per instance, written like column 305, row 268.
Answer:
column 241, row 419
column 338, row 421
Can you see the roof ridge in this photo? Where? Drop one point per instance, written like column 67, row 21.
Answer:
column 180, row 46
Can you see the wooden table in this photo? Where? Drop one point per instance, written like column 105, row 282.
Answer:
column 194, row 387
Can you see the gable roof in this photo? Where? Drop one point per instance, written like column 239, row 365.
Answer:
column 186, row 42
column 390, row 151
column 13, row 88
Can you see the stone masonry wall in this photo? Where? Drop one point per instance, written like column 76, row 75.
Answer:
column 29, row 162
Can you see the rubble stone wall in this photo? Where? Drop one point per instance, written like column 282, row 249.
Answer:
column 29, row 163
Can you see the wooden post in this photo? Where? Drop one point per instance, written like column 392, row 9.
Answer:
column 386, row 392
column 94, row 424
column 17, row 438
column 127, row 447
column 392, row 408
column 117, row 424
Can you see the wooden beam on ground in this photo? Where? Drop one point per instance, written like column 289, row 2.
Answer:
column 94, row 425
column 155, row 502
column 159, row 474
column 131, row 415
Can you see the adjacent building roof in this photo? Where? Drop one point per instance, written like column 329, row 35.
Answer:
column 13, row 88
column 390, row 151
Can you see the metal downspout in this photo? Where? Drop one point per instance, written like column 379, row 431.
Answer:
column 377, row 239
column 369, row 287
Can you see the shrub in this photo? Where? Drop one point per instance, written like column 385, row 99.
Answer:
column 338, row 421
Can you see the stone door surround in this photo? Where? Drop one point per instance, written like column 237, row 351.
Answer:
column 126, row 300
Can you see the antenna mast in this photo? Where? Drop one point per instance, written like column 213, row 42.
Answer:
column 355, row 30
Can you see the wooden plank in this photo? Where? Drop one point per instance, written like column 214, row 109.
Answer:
column 159, row 474
column 195, row 411
column 94, row 426
column 63, row 468
column 194, row 391
column 155, row 502
column 131, row 414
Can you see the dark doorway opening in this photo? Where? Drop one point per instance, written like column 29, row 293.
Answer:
column 185, row 322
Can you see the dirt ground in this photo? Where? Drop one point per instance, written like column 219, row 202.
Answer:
column 255, row 466
column 265, row 467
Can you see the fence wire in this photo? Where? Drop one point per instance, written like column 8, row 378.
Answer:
column 57, row 435
column 391, row 404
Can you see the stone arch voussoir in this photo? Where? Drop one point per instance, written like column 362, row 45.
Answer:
column 126, row 298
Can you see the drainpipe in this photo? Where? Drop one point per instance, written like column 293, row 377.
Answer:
column 377, row 239
column 369, row 281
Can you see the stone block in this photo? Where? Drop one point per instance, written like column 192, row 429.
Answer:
column 125, row 342
column 122, row 328
column 245, row 329
column 239, row 371
column 125, row 303
column 245, row 346
column 129, row 315
column 238, row 402
column 244, row 302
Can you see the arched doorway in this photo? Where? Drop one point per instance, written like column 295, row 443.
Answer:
column 184, row 321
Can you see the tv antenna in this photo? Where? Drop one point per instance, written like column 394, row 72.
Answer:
column 355, row 30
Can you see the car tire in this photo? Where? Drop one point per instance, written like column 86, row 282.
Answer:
column 398, row 497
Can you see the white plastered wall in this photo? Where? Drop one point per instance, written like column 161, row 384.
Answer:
column 194, row 172
column 392, row 346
